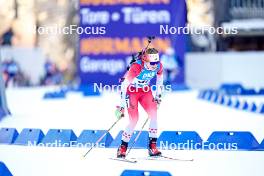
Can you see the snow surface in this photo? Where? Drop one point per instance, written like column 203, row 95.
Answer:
column 180, row 111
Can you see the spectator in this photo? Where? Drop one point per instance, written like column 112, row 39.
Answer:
column 53, row 75
column 11, row 69
column 6, row 39
column 12, row 74
column 170, row 65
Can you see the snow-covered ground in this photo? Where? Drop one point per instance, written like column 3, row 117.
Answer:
column 179, row 111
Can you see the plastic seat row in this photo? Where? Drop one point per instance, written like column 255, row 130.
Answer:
column 168, row 140
column 238, row 89
column 226, row 100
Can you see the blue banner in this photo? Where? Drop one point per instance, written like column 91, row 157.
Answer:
column 111, row 30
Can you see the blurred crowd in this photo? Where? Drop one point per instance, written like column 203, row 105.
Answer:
column 21, row 18
column 19, row 22
column 14, row 76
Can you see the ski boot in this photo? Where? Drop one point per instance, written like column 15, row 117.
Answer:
column 153, row 151
column 121, row 152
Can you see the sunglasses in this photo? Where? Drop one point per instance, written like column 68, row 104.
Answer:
column 153, row 63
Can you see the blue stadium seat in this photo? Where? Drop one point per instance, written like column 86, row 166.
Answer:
column 261, row 92
column 55, row 95
column 220, row 99
column 8, row 135
column 240, row 140
column 142, row 141
column 236, row 89
column 202, row 94
column 59, row 138
column 29, row 136
column 261, row 146
column 208, row 95
column 214, row 97
column 89, row 137
column 176, row 87
column 236, row 104
column 179, row 140
column 4, row 171
column 260, row 109
column 232, row 89
column 143, row 173
column 249, row 92
column 243, row 105
column 228, row 101
column 252, row 107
